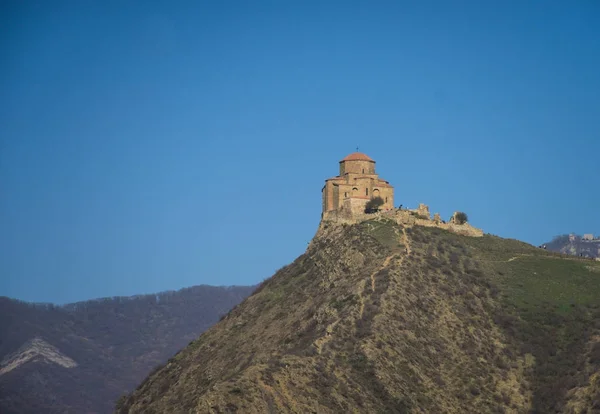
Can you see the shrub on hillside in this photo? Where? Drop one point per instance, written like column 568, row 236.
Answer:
column 373, row 205
column 461, row 218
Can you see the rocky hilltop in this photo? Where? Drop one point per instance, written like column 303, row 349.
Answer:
column 383, row 317
column 586, row 246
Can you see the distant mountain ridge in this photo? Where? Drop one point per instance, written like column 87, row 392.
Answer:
column 576, row 245
column 82, row 356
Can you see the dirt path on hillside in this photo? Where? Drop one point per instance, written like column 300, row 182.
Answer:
column 322, row 341
column 406, row 241
column 385, row 264
column 508, row 260
column 522, row 256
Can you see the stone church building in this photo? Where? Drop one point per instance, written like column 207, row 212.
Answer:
column 356, row 184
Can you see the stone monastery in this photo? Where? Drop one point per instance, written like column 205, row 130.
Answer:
column 345, row 197
column 356, row 184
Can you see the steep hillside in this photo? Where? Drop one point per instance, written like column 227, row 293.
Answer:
column 82, row 357
column 379, row 318
column 575, row 246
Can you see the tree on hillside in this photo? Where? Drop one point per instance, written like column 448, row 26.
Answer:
column 461, row 218
column 373, row 205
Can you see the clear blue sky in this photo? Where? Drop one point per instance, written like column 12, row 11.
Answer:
column 148, row 146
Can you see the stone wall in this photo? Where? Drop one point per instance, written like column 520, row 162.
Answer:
column 404, row 217
column 355, row 205
column 361, row 187
column 357, row 167
column 423, row 210
column 387, row 194
column 336, row 197
column 328, row 196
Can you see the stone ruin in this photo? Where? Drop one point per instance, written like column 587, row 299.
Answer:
column 420, row 216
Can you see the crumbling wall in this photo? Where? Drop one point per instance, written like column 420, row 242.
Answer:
column 423, row 210
column 404, row 217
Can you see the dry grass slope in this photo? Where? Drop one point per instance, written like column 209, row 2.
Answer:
column 379, row 318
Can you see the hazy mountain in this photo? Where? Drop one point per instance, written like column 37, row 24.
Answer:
column 380, row 318
column 81, row 357
column 575, row 245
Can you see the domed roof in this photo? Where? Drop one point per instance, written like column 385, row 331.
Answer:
column 357, row 156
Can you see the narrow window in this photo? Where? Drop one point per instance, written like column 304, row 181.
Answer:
column 345, row 194
column 386, row 199
column 367, row 191
column 363, row 170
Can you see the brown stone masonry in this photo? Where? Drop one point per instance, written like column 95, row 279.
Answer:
column 357, row 183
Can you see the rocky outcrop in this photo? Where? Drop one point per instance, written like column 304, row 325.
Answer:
column 35, row 350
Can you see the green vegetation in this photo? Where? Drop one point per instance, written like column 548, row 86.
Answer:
column 535, row 281
column 384, row 230
column 373, row 205
column 461, row 218
column 339, row 304
column 549, row 305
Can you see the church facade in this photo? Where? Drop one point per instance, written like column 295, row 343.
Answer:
column 355, row 185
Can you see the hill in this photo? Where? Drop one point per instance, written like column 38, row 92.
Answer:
column 380, row 318
column 81, row 357
column 575, row 245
